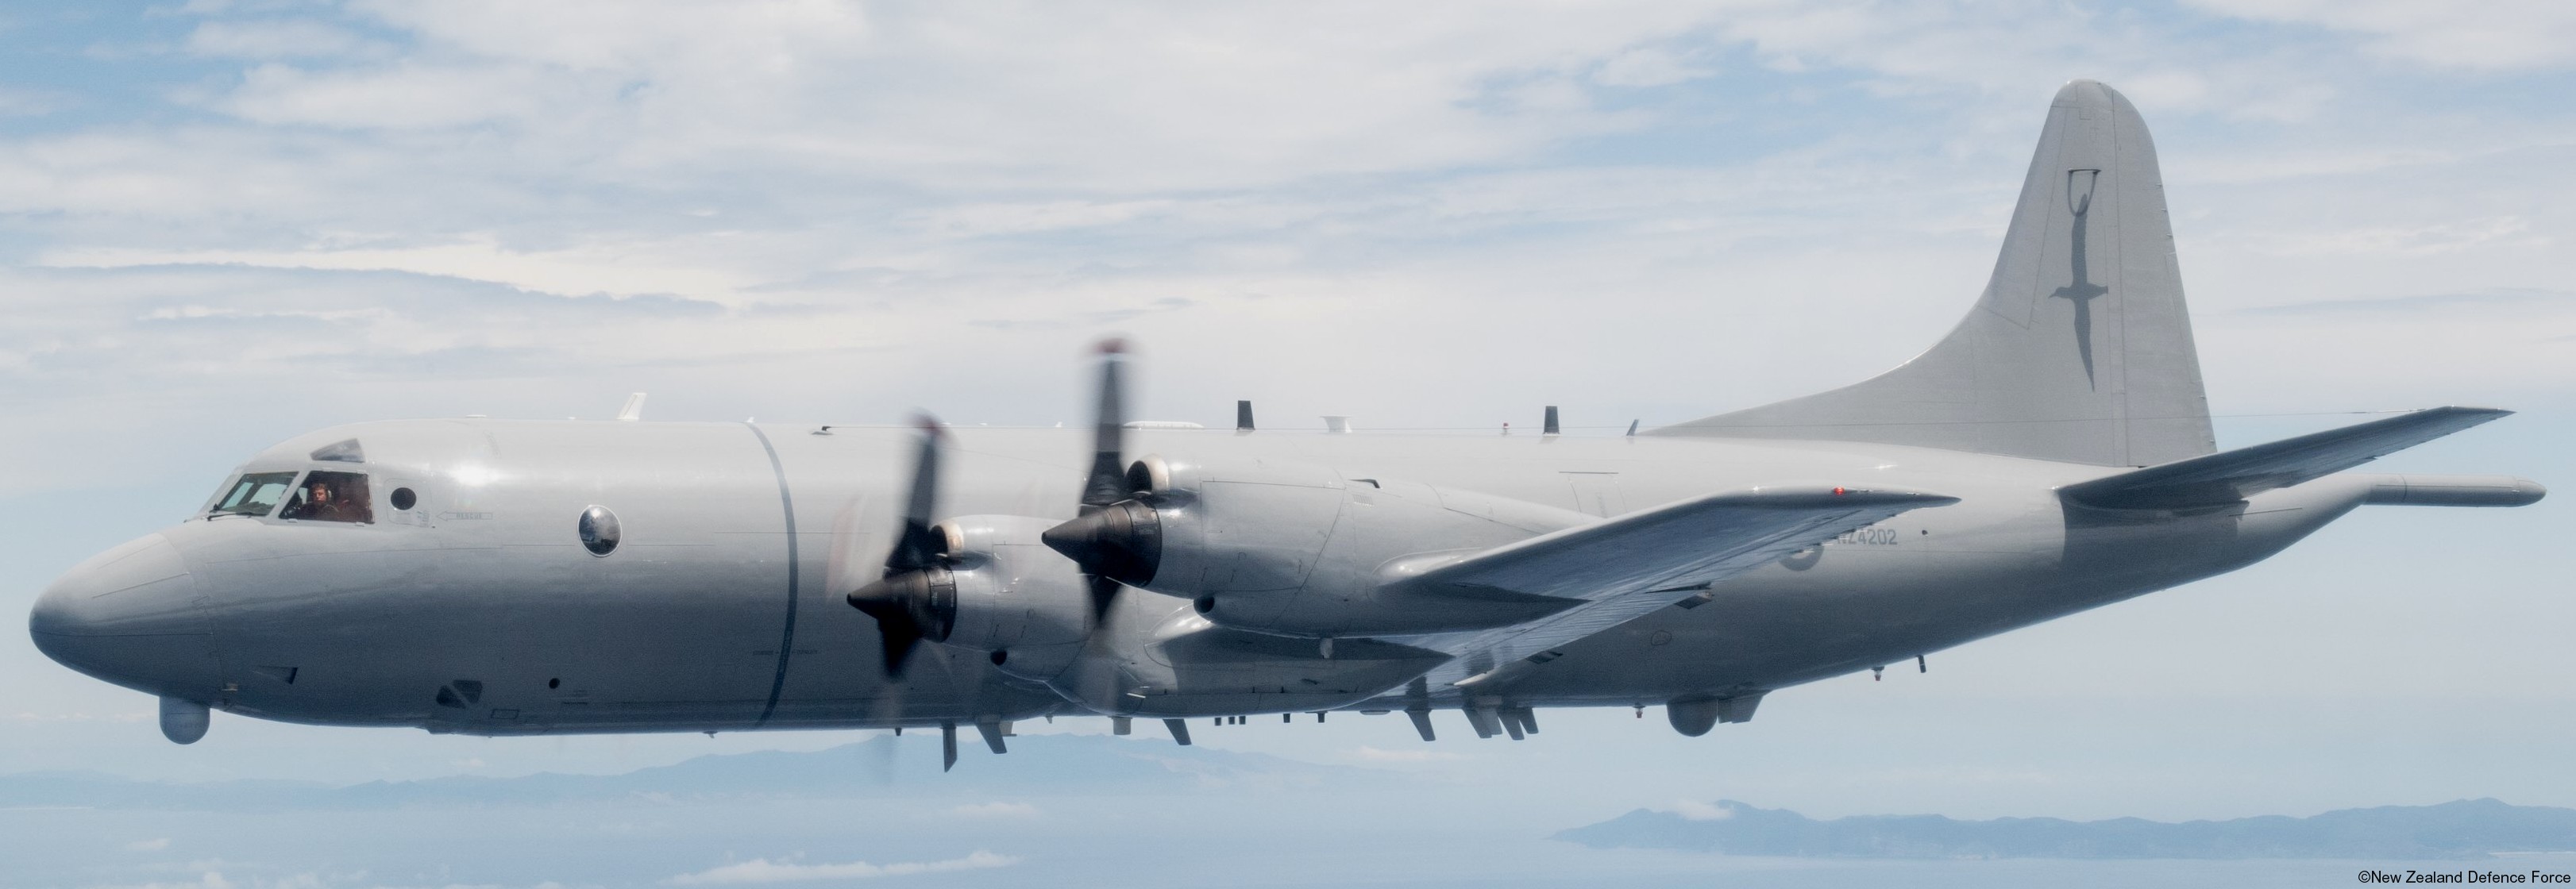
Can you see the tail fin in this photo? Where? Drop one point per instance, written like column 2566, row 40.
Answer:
column 2080, row 351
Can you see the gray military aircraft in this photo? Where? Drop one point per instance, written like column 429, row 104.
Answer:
column 501, row 577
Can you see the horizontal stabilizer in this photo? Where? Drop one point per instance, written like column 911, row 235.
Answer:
column 2230, row 476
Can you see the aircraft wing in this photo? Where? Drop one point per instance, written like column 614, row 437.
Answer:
column 2230, row 476
column 1628, row 566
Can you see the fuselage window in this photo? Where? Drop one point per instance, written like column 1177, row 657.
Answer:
column 598, row 528
column 330, row 497
column 254, row 494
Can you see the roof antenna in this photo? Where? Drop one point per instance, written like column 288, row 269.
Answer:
column 1243, row 416
column 1551, row 427
column 634, row 409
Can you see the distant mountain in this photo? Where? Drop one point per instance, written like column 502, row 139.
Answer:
column 2464, row 829
column 1038, row 765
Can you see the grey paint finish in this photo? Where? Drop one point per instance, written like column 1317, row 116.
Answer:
column 2080, row 350
column 1578, row 571
column 678, row 630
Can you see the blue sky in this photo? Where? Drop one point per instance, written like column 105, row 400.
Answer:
column 225, row 223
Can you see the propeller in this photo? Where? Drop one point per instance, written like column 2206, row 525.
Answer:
column 1101, row 536
column 916, row 599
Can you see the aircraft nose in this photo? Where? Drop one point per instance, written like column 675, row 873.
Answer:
column 129, row 616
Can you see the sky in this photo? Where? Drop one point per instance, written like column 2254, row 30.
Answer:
column 223, row 224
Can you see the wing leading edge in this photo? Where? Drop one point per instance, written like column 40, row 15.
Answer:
column 1625, row 567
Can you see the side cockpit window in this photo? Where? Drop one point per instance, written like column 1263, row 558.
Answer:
column 330, row 497
column 254, row 494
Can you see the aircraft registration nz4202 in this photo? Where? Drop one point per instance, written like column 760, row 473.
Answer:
column 502, row 577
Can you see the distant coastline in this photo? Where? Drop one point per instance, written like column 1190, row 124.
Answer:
column 2466, row 829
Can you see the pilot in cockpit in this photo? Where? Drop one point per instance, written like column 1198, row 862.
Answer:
column 323, row 505
column 331, row 497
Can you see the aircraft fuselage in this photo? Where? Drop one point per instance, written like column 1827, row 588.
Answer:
column 475, row 606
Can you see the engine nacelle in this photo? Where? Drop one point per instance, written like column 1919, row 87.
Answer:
column 1303, row 550
column 1008, row 595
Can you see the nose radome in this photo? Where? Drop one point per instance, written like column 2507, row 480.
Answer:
column 129, row 616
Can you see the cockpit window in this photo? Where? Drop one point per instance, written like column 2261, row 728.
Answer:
column 341, row 452
column 330, row 497
column 254, row 494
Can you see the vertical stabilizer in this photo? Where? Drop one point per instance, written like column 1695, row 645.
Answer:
column 2080, row 350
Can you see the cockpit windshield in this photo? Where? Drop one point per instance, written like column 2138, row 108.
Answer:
column 330, row 497
column 254, row 494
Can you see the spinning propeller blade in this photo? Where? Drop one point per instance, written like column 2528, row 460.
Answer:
column 1105, row 486
column 905, row 602
column 1107, row 483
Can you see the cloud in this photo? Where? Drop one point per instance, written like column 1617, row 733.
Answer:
column 2506, row 34
column 2416, row 240
column 399, row 97
column 1694, row 810
column 762, row 870
column 206, row 880
column 832, row 212
column 17, row 102
column 277, row 39
column 151, row 845
column 1648, row 66
column 995, row 810
column 1372, row 754
column 622, row 268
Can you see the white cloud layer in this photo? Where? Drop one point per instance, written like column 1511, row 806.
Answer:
column 2501, row 34
column 996, row 809
column 762, row 870
column 1695, row 810
column 835, row 211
